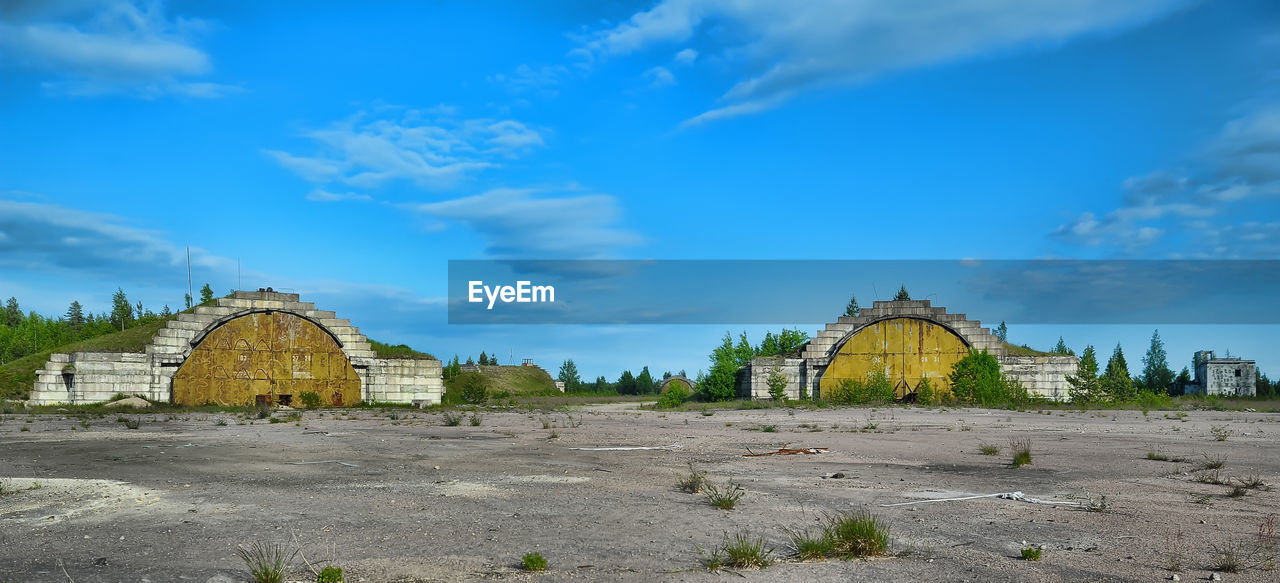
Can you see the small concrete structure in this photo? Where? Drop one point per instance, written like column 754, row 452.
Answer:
column 910, row 340
column 91, row 377
column 1228, row 377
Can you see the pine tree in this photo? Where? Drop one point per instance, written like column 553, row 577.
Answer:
column 121, row 310
column 187, row 299
column 206, row 295
column 627, row 383
column 602, row 385
column 569, row 376
column 902, row 294
column 75, row 316
column 1002, row 332
column 165, row 312
column 484, row 358
column 644, row 382
column 1062, row 348
column 1084, row 384
column 1156, row 375
column 12, row 313
column 852, row 309
column 1115, row 381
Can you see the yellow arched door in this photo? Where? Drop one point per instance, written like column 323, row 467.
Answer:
column 271, row 357
column 906, row 350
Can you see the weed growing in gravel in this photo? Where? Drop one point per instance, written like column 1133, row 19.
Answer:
column 221, row 423
column 1252, row 482
column 1208, row 477
column 1228, row 558
column 452, row 418
column 693, row 482
column 811, row 546
column 740, row 551
column 329, row 574
column 534, row 562
column 1267, row 543
column 989, row 449
column 1237, row 492
column 855, row 535
column 475, row 419
column 769, row 428
column 1220, row 432
column 267, row 562
column 132, row 424
column 1211, row 463
column 1031, row 553
column 1173, row 548
column 724, row 498
column 1160, row 456
column 1021, row 447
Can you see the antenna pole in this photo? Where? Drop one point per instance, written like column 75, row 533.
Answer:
column 193, row 299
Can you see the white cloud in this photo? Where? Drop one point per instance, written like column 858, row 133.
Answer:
column 1200, row 211
column 686, row 56
column 326, row 196
column 430, row 148
column 542, row 80
column 784, row 48
column 525, row 223
column 109, row 46
column 660, row 77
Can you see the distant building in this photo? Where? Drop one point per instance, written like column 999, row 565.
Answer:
column 1229, row 377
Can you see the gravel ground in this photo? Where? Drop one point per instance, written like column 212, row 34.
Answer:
column 398, row 496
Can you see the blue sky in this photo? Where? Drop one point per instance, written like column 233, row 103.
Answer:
column 348, row 150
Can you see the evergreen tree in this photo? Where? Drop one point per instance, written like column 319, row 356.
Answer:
column 1062, row 348
column 1156, row 375
column 206, row 295
column 1084, row 384
column 121, row 310
column 569, row 376
column 644, row 383
column 187, row 299
column 165, row 312
column 852, row 309
column 720, row 383
column 1002, row 332
column 470, row 361
column 12, row 313
column 1115, row 381
column 902, row 294
column 484, row 358
column 602, row 385
column 627, row 383
column 75, row 316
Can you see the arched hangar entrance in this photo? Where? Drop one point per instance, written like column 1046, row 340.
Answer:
column 905, row 349
column 267, row 357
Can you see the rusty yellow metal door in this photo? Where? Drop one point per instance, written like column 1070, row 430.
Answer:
column 905, row 350
column 266, row 357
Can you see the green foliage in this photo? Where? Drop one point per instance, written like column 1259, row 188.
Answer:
column 397, row 351
column 1031, row 554
column 1085, row 387
column 1002, row 331
column 786, row 342
column 777, row 382
column 852, row 309
column 902, row 294
column 569, row 376
column 741, row 551
column 121, row 310
column 724, row 498
column 1021, row 448
column 1156, row 375
column 267, row 563
column 811, row 545
column 452, row 418
column 976, row 378
column 925, row 394
column 1061, row 348
column 876, row 389
column 693, row 482
column 309, row 399
column 475, row 387
column 534, row 562
column 206, row 296
column 989, row 449
column 1116, row 383
column 856, row 535
column 644, row 383
column 673, row 396
column 330, row 574
column 475, row 419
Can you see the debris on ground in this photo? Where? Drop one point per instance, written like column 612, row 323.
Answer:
column 1019, row 496
column 135, row 402
column 628, row 448
column 784, row 450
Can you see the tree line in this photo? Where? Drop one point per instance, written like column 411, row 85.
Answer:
column 23, row 334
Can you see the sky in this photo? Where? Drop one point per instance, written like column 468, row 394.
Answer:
column 347, row 151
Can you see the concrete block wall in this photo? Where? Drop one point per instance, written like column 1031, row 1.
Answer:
column 98, row 376
column 91, row 377
column 402, row 380
column 1043, row 376
column 753, row 379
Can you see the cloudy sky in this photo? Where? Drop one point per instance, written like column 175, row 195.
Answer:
column 348, row 150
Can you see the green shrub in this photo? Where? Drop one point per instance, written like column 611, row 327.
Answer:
column 740, row 551
column 674, row 396
column 777, row 382
column 876, row 389
column 811, row 546
column 267, row 563
column 452, row 418
column 855, row 535
column 925, row 395
column 534, row 562
column 330, row 574
column 309, row 399
column 1031, row 554
column 976, row 378
column 1021, row 447
column 693, row 482
column 989, row 449
column 724, row 498
column 475, row 387
column 475, row 419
